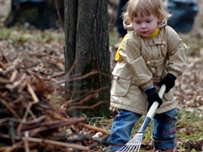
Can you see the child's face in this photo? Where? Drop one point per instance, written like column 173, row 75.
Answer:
column 145, row 25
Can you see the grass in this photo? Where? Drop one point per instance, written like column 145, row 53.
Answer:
column 21, row 34
column 189, row 125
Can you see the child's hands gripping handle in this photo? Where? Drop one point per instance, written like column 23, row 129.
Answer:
column 152, row 96
column 155, row 104
column 168, row 81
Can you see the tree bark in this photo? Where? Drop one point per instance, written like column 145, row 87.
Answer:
column 86, row 28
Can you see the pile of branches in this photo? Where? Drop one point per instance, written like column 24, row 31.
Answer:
column 29, row 122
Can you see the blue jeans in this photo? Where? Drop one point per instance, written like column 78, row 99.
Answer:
column 164, row 128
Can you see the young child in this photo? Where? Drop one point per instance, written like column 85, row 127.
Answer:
column 150, row 55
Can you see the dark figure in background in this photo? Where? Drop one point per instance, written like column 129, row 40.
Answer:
column 182, row 19
column 15, row 3
column 16, row 9
column 119, row 22
column 183, row 14
column 40, row 13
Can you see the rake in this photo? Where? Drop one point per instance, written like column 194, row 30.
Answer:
column 134, row 144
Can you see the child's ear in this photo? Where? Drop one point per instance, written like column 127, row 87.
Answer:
column 159, row 19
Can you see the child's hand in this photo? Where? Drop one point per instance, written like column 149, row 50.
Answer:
column 152, row 96
column 169, row 81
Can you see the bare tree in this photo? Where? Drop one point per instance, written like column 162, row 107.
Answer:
column 87, row 64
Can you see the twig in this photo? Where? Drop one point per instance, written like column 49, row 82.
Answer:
column 25, row 139
column 56, row 75
column 36, row 120
column 10, row 149
column 99, row 141
column 57, row 143
column 93, row 128
column 87, row 107
column 16, row 83
column 30, row 90
column 13, row 76
column 5, row 57
column 91, row 95
column 24, row 118
column 84, row 98
column 55, row 125
column 59, row 15
column 81, row 77
column 10, row 109
column 71, row 69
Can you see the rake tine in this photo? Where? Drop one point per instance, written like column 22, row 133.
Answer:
column 133, row 145
column 131, row 149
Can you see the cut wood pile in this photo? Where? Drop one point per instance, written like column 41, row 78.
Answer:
column 28, row 121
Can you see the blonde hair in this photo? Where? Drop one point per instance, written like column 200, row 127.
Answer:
column 145, row 8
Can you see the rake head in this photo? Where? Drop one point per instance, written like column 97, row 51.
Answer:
column 133, row 145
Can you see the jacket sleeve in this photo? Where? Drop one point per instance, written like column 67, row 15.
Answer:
column 130, row 51
column 176, row 53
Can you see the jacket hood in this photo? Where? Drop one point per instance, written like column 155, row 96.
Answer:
column 129, row 26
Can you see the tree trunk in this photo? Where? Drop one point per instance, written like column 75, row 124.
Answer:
column 86, row 28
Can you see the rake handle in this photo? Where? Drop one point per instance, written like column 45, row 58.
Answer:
column 152, row 110
column 155, row 105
